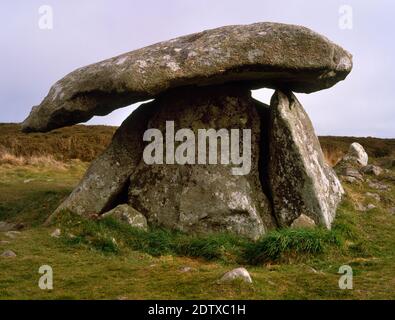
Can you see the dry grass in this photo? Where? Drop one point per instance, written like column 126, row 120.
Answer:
column 7, row 158
column 375, row 147
column 332, row 156
column 382, row 150
column 76, row 142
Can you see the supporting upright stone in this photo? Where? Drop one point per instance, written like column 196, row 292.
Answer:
column 300, row 180
column 108, row 175
column 205, row 197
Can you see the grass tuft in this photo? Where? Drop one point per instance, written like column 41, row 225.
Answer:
column 157, row 242
column 103, row 235
column 277, row 243
column 47, row 161
column 345, row 222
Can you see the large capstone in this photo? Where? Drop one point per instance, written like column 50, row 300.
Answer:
column 266, row 54
column 204, row 197
column 300, row 180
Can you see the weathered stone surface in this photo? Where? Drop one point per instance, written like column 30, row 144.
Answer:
column 303, row 221
column 359, row 207
column 362, row 208
column 372, row 169
column 378, row 185
column 126, row 214
column 262, row 54
column 349, row 168
column 9, row 226
column 351, row 172
column 300, row 180
column 8, row 254
column 186, row 269
column 56, row 233
column 370, row 206
column 108, row 175
column 350, row 180
column 5, row 226
column 239, row 273
column 202, row 198
column 373, row 195
column 12, row 234
column 356, row 155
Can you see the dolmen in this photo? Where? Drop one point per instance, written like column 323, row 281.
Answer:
column 203, row 155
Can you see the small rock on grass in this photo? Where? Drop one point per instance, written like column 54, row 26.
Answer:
column 303, row 221
column 8, row 254
column 359, row 207
column 354, row 173
column 186, row 269
column 239, row 273
column 392, row 211
column 12, row 234
column 349, row 179
column 126, row 214
column 315, row 270
column 122, row 298
column 372, row 169
column 362, row 208
column 378, row 185
column 56, row 233
column 6, row 226
column 370, row 206
column 373, row 195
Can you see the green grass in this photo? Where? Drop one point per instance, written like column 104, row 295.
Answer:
column 29, row 194
column 296, row 242
column 107, row 260
column 110, row 236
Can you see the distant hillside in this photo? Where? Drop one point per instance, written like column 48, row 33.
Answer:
column 86, row 142
column 76, row 142
column 375, row 147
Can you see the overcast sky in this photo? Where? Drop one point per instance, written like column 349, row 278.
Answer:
column 87, row 31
